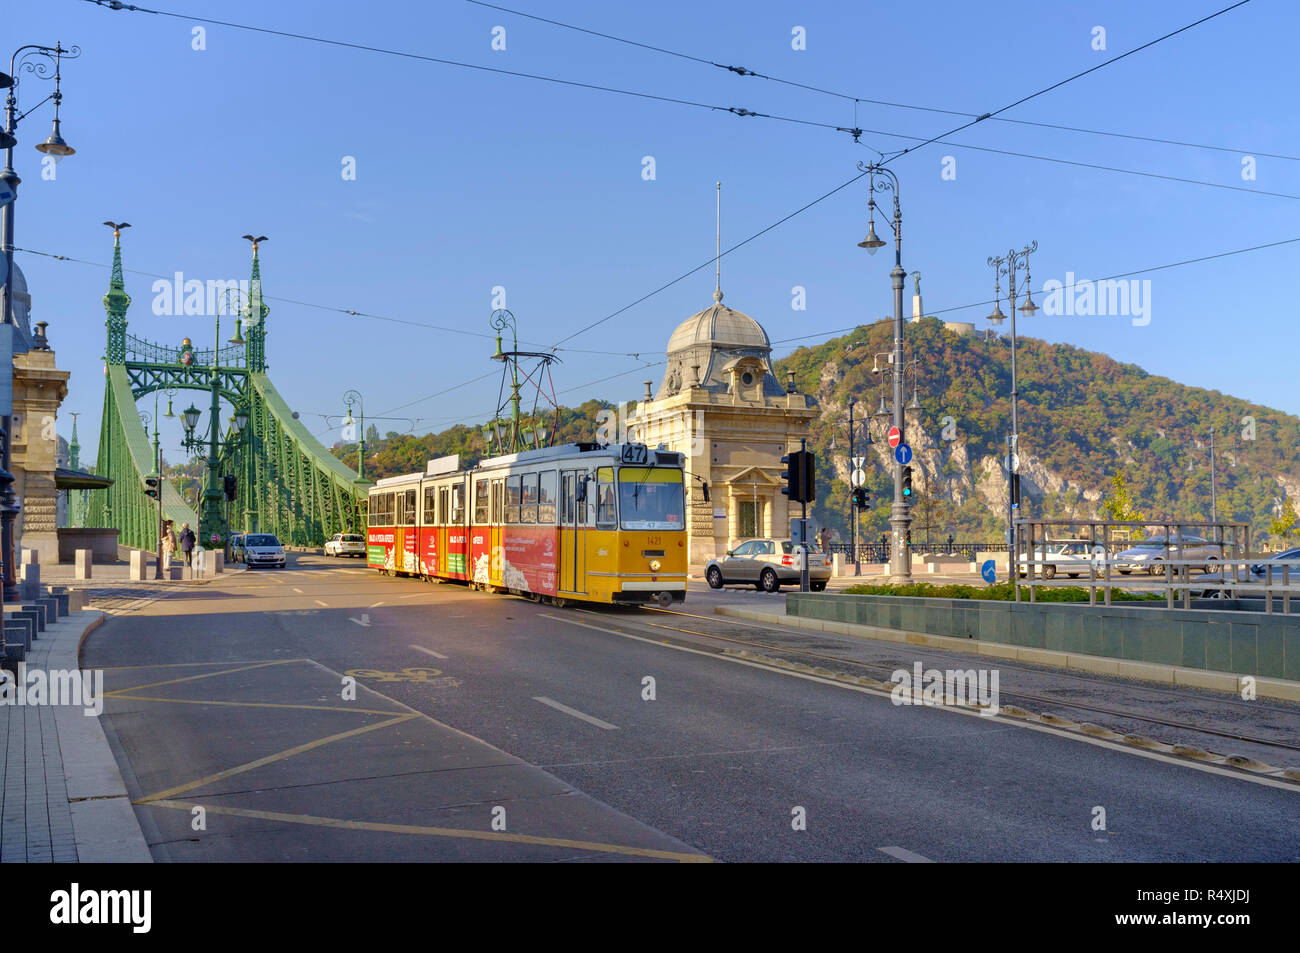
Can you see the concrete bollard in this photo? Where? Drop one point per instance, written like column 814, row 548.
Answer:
column 139, row 565
column 31, row 556
column 31, row 579
column 173, row 572
column 216, row 562
column 84, row 561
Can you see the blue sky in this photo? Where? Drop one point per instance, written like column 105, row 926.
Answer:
column 467, row 180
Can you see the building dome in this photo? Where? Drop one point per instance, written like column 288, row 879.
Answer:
column 718, row 326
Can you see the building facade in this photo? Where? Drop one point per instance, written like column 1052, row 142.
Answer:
column 720, row 404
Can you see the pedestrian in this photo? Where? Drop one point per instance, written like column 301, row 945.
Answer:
column 187, row 543
column 824, row 538
column 168, row 543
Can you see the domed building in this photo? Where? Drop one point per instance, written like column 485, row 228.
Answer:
column 720, row 404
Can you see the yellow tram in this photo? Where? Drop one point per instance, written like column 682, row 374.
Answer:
column 580, row 522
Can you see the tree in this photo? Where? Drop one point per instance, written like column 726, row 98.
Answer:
column 1285, row 524
column 372, row 435
column 1119, row 504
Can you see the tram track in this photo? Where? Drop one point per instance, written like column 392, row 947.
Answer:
column 1053, row 703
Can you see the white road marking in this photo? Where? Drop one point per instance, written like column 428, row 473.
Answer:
column 363, row 621
column 296, row 589
column 377, row 605
column 319, row 603
column 414, row 595
column 905, row 855
column 1001, row 720
column 421, row 648
column 575, row 713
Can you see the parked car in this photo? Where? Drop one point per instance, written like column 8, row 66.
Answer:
column 263, row 549
column 1069, row 556
column 345, row 544
column 1149, row 555
column 236, row 546
column 767, row 564
column 1219, row 588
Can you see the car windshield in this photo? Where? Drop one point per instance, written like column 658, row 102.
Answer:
column 651, row 498
column 261, row 541
column 788, row 547
column 353, row 539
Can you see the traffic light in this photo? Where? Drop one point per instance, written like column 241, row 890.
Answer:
column 151, row 487
column 229, row 484
column 793, row 475
column 1015, row 489
column 861, row 499
column 809, row 476
column 907, row 484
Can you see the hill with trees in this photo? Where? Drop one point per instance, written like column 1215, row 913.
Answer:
column 1085, row 420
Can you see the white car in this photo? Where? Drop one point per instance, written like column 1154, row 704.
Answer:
column 1069, row 556
column 263, row 549
column 345, row 544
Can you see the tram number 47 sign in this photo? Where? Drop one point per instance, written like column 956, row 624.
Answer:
column 634, row 453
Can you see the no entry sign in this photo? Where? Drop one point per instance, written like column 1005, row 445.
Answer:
column 894, row 437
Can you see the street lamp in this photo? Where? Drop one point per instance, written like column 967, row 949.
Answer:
column 1009, row 265
column 900, row 560
column 354, row 397
column 34, row 59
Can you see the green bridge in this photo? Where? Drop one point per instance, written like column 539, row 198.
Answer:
column 285, row 481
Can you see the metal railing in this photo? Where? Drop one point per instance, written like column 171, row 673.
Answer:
column 1225, row 548
column 879, row 552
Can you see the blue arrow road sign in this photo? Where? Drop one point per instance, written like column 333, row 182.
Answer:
column 903, row 454
column 989, row 571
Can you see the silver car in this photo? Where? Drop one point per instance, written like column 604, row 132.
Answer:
column 767, row 564
column 1069, row 556
column 263, row 549
column 1150, row 555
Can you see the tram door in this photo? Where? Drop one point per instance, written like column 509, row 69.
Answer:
column 573, row 544
column 496, row 563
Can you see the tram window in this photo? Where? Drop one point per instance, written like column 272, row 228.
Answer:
column 480, row 502
column 528, row 503
column 606, row 514
column 406, row 508
column 566, row 500
column 443, row 511
column 382, row 510
column 512, row 498
column 458, row 504
column 496, row 501
column 430, row 505
column 546, row 497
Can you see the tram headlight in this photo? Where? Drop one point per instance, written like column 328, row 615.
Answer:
column 655, row 565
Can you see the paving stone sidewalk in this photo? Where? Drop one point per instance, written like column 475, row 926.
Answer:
column 62, row 799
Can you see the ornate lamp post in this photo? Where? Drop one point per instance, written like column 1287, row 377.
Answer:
column 354, row 397
column 37, row 60
column 900, row 559
column 1008, row 266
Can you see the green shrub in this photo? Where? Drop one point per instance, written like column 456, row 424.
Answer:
column 1000, row 592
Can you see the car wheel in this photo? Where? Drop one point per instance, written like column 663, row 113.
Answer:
column 1049, row 572
column 768, row 581
column 1157, row 567
column 1209, row 565
column 714, row 577
column 817, row 586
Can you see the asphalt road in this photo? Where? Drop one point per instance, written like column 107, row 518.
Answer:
column 492, row 728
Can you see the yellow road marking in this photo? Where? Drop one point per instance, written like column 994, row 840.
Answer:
column 498, row 836
column 206, row 701
column 272, row 758
column 191, row 678
column 122, row 668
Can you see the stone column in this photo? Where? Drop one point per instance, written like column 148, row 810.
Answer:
column 39, row 389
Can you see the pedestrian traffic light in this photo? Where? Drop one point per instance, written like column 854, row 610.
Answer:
column 151, row 487
column 1015, row 489
column 861, row 499
column 229, row 484
column 907, row 484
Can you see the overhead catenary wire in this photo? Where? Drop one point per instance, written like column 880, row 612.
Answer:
column 745, row 72
column 1064, row 287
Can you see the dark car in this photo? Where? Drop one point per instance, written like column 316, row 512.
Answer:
column 1220, row 585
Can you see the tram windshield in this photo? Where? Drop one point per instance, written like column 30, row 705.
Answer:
column 651, row 498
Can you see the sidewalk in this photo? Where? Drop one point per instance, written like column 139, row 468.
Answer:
column 62, row 798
